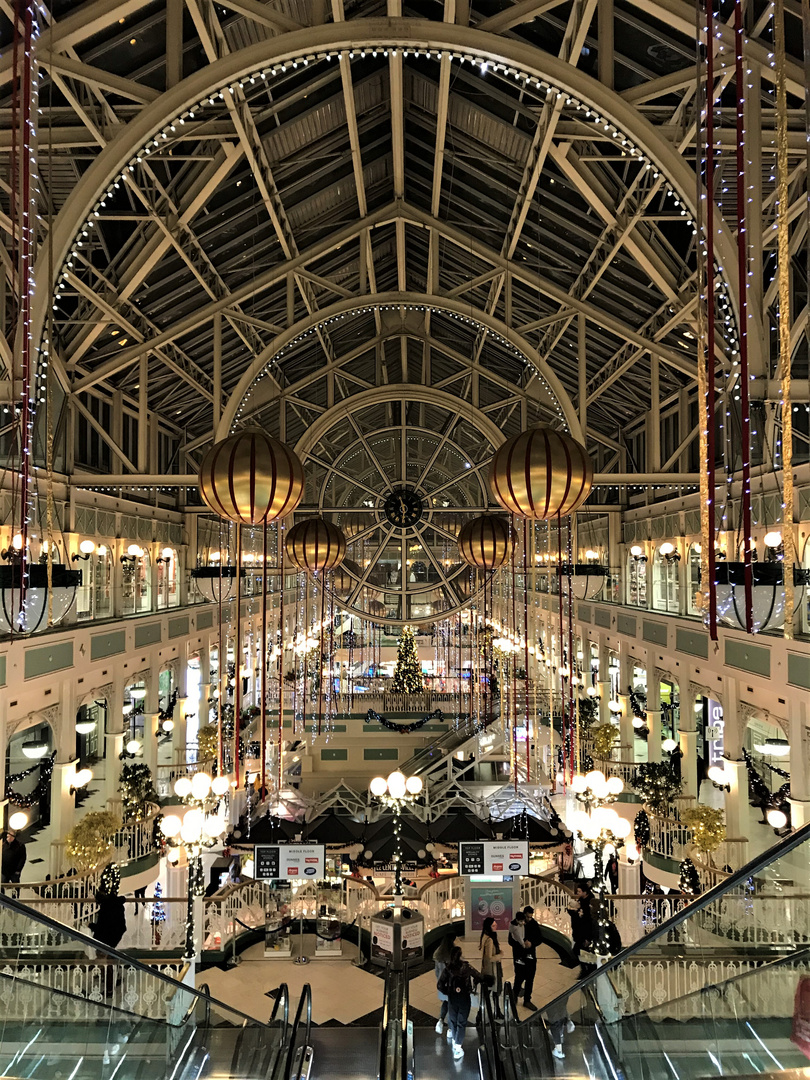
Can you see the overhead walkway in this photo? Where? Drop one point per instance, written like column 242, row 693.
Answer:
column 689, row 1000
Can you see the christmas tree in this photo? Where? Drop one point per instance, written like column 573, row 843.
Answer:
column 657, row 785
column 689, row 882
column 641, row 828
column 158, row 915
column 408, row 672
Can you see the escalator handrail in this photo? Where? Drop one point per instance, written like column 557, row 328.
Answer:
column 395, row 978
column 116, row 954
column 304, row 1000
column 700, row 903
column 489, row 1035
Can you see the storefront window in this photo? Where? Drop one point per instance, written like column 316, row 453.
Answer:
column 167, row 575
column 693, row 571
column 637, row 581
column 666, row 583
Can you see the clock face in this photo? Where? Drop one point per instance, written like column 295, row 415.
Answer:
column 403, row 508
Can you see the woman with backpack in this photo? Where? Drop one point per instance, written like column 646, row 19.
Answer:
column 457, row 982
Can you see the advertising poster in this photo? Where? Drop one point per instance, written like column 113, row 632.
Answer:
column 382, row 938
column 412, row 938
column 491, row 900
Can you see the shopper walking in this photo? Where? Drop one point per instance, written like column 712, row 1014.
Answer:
column 517, row 940
column 441, row 958
column 534, row 937
column 457, row 983
column 14, row 855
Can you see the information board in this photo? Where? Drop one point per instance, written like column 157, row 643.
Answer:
column 493, row 857
column 382, row 938
column 286, row 862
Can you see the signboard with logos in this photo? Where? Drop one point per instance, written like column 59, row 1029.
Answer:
column 488, row 857
column 288, row 862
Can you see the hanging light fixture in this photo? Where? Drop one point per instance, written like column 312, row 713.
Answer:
column 25, row 614
column 216, row 583
column 773, row 747
column 35, row 749
column 84, row 727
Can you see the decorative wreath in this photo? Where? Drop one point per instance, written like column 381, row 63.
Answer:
column 404, row 729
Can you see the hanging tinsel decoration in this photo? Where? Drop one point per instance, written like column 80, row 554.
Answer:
column 784, row 269
column 404, row 729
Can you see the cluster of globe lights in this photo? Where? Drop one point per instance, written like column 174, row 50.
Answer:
column 594, row 787
column 196, row 827
column 396, row 787
column 602, row 823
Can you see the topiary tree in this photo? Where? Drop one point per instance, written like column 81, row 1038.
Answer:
column 604, row 738
column 207, row 742
column 137, row 790
column 689, row 882
column 588, row 712
column 641, row 828
column 408, row 672
column 708, row 828
column 657, row 785
column 90, row 842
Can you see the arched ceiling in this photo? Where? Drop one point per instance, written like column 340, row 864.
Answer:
column 530, row 162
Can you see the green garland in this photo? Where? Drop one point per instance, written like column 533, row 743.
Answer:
column 404, row 729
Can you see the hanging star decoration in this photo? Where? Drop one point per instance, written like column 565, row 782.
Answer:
column 404, row 729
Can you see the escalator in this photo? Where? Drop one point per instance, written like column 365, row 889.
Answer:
column 445, row 744
column 721, row 989
column 80, row 1010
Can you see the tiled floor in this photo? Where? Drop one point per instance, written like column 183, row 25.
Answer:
column 343, row 992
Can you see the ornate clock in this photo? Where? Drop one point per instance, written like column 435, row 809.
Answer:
column 403, row 508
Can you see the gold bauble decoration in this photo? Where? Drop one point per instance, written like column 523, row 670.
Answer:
column 250, row 477
column 708, row 827
column 540, row 474
column 315, row 545
column 486, row 542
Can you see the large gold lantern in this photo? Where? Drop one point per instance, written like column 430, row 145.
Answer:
column 541, row 474
column 315, row 545
column 486, row 542
column 251, row 477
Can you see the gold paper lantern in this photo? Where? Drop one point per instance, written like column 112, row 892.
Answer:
column 486, row 542
column 251, row 477
column 315, row 544
column 541, row 474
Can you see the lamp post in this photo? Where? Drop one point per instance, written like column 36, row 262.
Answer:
column 396, row 792
column 199, row 828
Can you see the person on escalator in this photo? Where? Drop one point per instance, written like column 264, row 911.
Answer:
column 559, row 1022
column 457, row 982
column 441, row 958
column 534, row 937
column 520, row 948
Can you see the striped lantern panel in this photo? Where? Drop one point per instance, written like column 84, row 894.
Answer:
column 486, row 542
column 315, row 544
column 541, row 473
column 251, row 477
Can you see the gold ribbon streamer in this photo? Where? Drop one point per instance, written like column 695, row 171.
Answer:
column 783, row 256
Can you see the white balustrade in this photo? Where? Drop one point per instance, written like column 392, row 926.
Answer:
column 84, row 985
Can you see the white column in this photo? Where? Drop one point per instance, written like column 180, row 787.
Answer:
column 688, row 740
column 799, row 783
column 736, row 799
column 62, row 809
column 628, row 916
column 654, row 736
